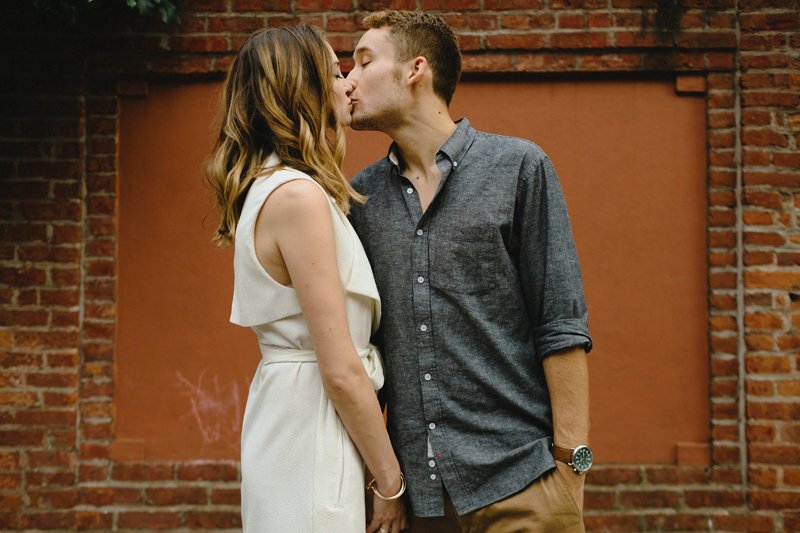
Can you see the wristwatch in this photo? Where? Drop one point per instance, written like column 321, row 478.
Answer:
column 579, row 457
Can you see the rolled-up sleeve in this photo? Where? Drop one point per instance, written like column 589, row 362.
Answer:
column 548, row 261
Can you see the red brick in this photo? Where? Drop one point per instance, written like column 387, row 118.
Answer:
column 714, row 498
column 788, row 160
column 208, row 472
column 722, row 259
column 88, row 472
column 724, row 411
column 176, row 495
column 515, row 41
column 21, row 437
column 471, row 21
column 760, row 342
column 10, row 481
column 791, row 476
column 104, row 496
column 720, row 217
column 226, row 496
column 493, row 5
column 94, row 451
column 727, row 345
column 767, row 364
column 777, row 179
column 614, row 476
column 58, row 380
column 49, row 520
column 156, row 520
column 50, row 479
column 677, row 475
column 579, row 40
column 61, row 298
column 770, row 21
column 611, row 522
column 209, row 5
column 96, row 431
column 323, row 5
column 216, row 520
column 773, row 410
column 89, row 520
column 596, row 500
column 750, row 523
column 636, row 39
column 677, row 522
column 649, row 499
column 759, row 258
column 723, row 388
column 51, row 499
column 758, row 218
column 764, row 137
column 789, row 388
column 763, row 477
column 722, row 455
column 768, row 199
column 141, row 472
column 762, row 499
column 722, row 280
column 721, row 178
column 787, row 280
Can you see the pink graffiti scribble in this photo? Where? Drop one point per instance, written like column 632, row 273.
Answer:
column 216, row 409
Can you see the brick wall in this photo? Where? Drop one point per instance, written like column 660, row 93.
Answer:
column 58, row 145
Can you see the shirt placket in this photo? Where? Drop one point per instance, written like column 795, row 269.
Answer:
column 421, row 291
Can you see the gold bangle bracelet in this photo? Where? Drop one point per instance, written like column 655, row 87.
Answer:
column 371, row 486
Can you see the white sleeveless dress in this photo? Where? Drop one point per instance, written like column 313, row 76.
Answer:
column 301, row 472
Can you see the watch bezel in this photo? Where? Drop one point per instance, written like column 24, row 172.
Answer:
column 575, row 450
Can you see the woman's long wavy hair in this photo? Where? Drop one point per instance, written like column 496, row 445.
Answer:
column 277, row 98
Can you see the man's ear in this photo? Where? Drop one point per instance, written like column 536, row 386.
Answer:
column 419, row 68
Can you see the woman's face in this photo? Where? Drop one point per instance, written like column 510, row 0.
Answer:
column 342, row 88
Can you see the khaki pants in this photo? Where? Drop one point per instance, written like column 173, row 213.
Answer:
column 544, row 506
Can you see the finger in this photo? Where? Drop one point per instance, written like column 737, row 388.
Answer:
column 373, row 526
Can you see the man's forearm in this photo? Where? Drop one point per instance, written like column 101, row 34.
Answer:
column 567, row 375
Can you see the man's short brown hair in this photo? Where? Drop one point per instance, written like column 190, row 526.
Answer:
column 416, row 33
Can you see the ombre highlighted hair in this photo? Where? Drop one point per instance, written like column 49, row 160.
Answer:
column 277, row 98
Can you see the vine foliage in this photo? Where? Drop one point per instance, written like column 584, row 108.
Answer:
column 81, row 12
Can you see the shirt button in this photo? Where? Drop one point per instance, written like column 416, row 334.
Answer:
column 423, row 327
column 431, row 463
column 419, row 232
column 455, row 163
column 433, row 476
column 420, row 280
column 432, row 425
column 427, row 377
column 410, row 190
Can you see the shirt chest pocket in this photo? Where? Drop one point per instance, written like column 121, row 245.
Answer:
column 465, row 260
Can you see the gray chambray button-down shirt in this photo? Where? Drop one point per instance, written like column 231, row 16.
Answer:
column 475, row 292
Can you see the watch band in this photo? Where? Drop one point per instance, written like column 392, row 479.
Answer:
column 562, row 454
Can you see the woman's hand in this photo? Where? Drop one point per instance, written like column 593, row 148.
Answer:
column 387, row 516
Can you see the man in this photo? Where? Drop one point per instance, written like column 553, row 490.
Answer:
column 484, row 331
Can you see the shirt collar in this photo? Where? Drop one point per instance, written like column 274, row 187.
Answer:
column 453, row 148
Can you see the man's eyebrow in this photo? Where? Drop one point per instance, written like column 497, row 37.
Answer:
column 362, row 49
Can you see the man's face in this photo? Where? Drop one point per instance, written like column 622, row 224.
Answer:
column 379, row 96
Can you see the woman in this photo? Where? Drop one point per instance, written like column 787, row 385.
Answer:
column 303, row 284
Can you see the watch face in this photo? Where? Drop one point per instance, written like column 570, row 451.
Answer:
column 582, row 458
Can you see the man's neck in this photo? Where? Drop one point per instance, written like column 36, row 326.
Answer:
column 421, row 136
